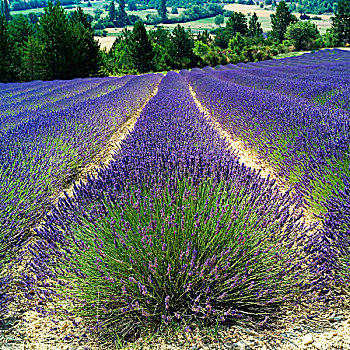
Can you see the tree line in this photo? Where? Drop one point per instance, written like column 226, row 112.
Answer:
column 240, row 40
column 56, row 46
column 61, row 46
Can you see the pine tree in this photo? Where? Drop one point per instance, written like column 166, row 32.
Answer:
column 5, row 10
column 111, row 11
column 341, row 22
column 86, row 55
column 237, row 23
column 33, row 64
column 161, row 9
column 281, row 20
column 254, row 27
column 55, row 35
column 140, row 47
column 181, row 50
column 19, row 29
column 121, row 10
column 5, row 51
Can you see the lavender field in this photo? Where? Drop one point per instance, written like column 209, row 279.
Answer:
column 177, row 229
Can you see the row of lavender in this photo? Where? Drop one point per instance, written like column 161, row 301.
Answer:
column 325, row 81
column 174, row 229
column 305, row 142
column 40, row 155
column 52, row 96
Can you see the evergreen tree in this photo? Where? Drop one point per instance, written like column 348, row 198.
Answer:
column 281, row 20
column 19, row 29
column 33, row 64
column 111, row 11
column 161, row 9
column 221, row 38
column 254, row 27
column 6, row 67
column 55, row 35
column 121, row 14
column 140, row 47
column 5, row 10
column 237, row 23
column 86, row 57
column 341, row 22
column 237, row 43
column 204, row 37
column 181, row 50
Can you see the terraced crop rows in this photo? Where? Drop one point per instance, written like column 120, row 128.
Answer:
column 176, row 228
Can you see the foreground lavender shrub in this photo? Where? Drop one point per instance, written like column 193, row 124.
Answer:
column 174, row 229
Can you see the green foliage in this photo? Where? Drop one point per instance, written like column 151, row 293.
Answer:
column 111, row 11
column 6, row 53
column 330, row 38
column 162, row 60
column 54, row 34
column 281, row 20
column 204, row 37
column 141, row 53
column 33, row 63
column 219, row 19
column 302, row 35
column 254, row 26
column 5, row 10
column 237, row 23
column 200, row 49
column 237, row 43
column 174, row 10
column 181, row 49
column 20, row 28
column 97, row 14
column 161, row 9
column 248, row 256
column 86, row 58
column 132, row 6
column 121, row 13
column 341, row 22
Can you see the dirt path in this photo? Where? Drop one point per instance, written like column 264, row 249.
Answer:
column 105, row 156
column 33, row 332
column 246, row 156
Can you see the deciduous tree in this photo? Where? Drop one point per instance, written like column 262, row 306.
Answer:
column 301, row 34
column 219, row 19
